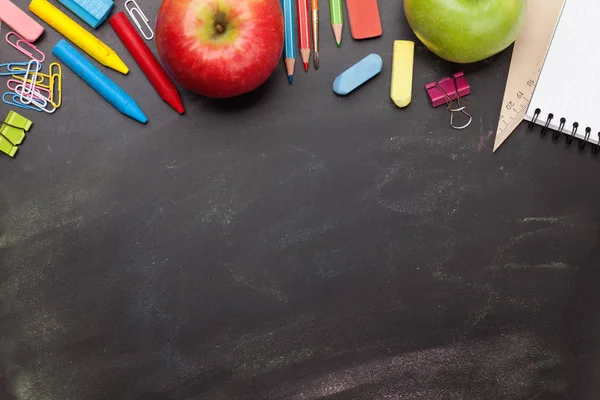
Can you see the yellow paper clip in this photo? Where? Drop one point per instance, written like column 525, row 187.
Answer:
column 56, row 85
column 39, row 80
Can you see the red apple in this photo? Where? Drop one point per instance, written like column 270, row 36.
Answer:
column 220, row 48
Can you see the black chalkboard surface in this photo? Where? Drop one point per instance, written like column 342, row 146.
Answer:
column 292, row 244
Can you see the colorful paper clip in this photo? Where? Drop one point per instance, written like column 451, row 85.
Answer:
column 27, row 91
column 56, row 85
column 25, row 47
column 132, row 11
column 454, row 87
column 14, row 101
column 17, row 68
column 40, row 79
column 38, row 100
column 12, row 85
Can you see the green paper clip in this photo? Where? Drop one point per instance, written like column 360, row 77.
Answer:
column 7, row 147
column 18, row 121
column 12, row 133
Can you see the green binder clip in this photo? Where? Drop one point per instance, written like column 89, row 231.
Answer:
column 7, row 147
column 18, row 121
column 13, row 134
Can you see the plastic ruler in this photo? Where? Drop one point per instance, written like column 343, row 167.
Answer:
column 527, row 61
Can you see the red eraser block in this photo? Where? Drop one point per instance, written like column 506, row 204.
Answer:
column 364, row 18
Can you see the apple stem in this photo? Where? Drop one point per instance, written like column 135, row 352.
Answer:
column 220, row 28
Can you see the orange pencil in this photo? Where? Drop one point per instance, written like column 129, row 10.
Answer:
column 315, row 30
column 304, row 31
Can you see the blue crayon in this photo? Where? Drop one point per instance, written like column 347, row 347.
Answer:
column 290, row 38
column 98, row 81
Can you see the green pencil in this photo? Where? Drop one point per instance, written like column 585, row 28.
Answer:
column 337, row 19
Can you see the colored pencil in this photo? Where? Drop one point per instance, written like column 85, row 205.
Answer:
column 290, row 38
column 315, row 30
column 304, row 31
column 337, row 19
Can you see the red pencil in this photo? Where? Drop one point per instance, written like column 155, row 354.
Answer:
column 146, row 60
column 304, row 29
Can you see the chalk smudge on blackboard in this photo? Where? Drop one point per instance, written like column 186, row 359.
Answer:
column 269, row 288
column 506, row 368
column 294, row 230
column 484, row 139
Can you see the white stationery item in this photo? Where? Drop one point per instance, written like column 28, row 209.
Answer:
column 566, row 97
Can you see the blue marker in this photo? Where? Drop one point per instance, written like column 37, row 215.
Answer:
column 290, row 38
column 98, row 81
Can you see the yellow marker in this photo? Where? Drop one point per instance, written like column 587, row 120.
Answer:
column 78, row 35
column 402, row 72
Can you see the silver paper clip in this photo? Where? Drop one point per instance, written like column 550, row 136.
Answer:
column 25, row 47
column 132, row 11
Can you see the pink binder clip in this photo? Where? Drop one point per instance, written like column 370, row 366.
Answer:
column 448, row 87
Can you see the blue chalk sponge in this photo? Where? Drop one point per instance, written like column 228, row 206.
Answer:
column 357, row 74
column 93, row 12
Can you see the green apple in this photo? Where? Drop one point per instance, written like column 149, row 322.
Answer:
column 465, row 31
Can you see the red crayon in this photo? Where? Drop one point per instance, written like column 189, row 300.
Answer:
column 146, row 60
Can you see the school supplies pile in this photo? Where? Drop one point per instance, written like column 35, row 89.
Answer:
column 32, row 86
column 31, row 89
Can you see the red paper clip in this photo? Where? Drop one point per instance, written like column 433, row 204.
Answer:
column 451, row 86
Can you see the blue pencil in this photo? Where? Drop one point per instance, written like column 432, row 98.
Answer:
column 98, row 81
column 290, row 38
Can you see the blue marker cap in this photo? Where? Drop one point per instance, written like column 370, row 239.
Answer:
column 93, row 12
column 357, row 74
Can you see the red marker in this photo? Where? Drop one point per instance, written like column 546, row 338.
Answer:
column 146, row 60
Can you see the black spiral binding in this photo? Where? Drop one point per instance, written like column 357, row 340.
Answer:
column 561, row 130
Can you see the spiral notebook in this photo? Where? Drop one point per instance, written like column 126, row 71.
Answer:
column 566, row 99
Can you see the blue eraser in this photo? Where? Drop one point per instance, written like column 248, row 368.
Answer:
column 93, row 12
column 357, row 74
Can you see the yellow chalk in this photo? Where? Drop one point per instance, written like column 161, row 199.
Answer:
column 402, row 72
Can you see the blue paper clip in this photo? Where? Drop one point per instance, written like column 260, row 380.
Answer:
column 16, row 102
column 17, row 68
